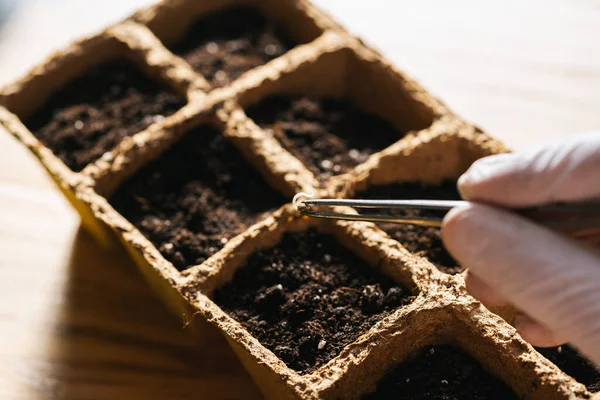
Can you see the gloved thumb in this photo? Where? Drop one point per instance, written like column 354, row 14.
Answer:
column 551, row 278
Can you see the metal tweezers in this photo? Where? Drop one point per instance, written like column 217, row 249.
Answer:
column 557, row 216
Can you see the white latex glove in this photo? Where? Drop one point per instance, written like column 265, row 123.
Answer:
column 553, row 280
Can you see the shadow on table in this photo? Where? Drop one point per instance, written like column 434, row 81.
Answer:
column 116, row 340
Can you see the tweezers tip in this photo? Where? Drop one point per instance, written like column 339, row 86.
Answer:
column 298, row 201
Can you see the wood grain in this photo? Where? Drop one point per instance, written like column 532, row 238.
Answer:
column 78, row 323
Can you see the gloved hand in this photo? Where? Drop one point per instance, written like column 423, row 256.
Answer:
column 553, row 280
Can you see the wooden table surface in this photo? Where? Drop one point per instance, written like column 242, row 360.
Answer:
column 78, row 323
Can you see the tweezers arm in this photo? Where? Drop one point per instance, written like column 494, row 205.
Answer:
column 579, row 220
column 391, row 204
column 568, row 216
column 421, row 221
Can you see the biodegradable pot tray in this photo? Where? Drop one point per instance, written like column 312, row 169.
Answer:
column 196, row 122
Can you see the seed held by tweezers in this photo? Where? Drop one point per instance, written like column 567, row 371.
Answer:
column 299, row 199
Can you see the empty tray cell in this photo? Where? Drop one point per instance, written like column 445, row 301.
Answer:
column 574, row 364
column 309, row 297
column 227, row 43
column 195, row 197
column 335, row 111
column 441, row 372
column 91, row 114
column 330, row 136
column 419, row 240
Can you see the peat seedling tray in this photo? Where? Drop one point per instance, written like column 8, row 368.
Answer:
column 182, row 133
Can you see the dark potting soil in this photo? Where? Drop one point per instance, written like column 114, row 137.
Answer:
column 329, row 136
column 574, row 364
column 309, row 297
column 441, row 372
column 93, row 113
column 423, row 241
column 195, row 197
column 224, row 45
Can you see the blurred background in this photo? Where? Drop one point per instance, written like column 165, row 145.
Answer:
column 79, row 323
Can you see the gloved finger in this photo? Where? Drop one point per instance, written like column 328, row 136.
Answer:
column 535, row 333
column 484, row 292
column 549, row 277
column 565, row 171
